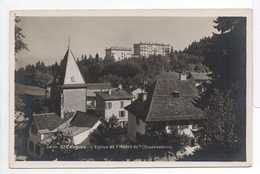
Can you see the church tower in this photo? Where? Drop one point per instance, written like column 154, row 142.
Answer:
column 72, row 85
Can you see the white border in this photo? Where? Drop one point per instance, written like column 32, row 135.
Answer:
column 110, row 164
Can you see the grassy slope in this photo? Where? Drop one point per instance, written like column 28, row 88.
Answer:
column 29, row 90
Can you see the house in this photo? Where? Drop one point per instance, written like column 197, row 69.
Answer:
column 113, row 103
column 92, row 89
column 80, row 127
column 75, row 127
column 42, row 131
column 170, row 103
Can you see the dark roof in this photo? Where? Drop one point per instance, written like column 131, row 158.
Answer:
column 162, row 105
column 49, row 121
column 84, row 119
column 90, row 86
column 99, row 85
column 117, row 94
column 74, row 86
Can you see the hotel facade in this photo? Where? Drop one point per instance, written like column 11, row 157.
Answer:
column 146, row 49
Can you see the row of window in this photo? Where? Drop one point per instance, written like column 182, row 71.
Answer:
column 109, row 105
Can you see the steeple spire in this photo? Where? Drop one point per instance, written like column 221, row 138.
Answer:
column 68, row 42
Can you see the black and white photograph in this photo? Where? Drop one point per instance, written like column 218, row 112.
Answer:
column 129, row 88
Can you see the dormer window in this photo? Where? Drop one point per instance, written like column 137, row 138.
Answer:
column 176, row 93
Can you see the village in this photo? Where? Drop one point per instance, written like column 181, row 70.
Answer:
column 82, row 114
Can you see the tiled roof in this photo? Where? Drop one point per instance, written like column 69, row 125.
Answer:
column 162, row 105
column 49, row 121
column 84, row 119
column 117, row 94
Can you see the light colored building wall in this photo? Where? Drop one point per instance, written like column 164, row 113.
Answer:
column 74, row 100
column 116, row 108
column 79, row 138
column 118, row 54
column 147, row 49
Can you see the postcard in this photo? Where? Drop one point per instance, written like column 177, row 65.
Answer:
column 130, row 88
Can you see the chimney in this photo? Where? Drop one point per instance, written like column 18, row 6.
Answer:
column 183, row 76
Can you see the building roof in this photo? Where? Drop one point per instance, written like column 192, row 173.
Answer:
column 84, row 119
column 200, row 76
column 89, row 86
column 151, row 43
column 49, row 121
column 117, row 94
column 119, row 48
column 68, row 59
column 162, row 105
column 99, row 85
column 74, row 86
column 72, row 131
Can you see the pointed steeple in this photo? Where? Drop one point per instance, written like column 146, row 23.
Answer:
column 70, row 73
column 68, row 42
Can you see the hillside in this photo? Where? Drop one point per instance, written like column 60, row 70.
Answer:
column 21, row 89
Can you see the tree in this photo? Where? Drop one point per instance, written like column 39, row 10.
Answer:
column 113, row 122
column 19, row 37
column 224, row 99
column 222, row 126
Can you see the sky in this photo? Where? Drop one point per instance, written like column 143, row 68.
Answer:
column 47, row 37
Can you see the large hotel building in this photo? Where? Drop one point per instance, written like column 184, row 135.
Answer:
column 119, row 53
column 146, row 49
column 142, row 49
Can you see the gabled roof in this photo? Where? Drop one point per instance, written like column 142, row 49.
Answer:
column 162, row 105
column 84, row 119
column 117, row 94
column 49, row 121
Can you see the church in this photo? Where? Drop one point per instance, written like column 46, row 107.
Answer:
column 68, row 113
